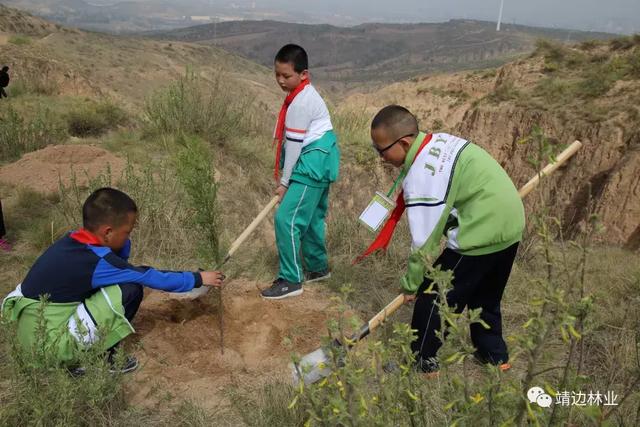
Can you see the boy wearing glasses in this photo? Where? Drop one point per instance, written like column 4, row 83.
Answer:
column 307, row 153
column 454, row 188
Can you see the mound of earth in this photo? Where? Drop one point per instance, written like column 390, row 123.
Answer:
column 180, row 341
column 45, row 169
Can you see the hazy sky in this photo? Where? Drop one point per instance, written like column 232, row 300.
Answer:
column 601, row 15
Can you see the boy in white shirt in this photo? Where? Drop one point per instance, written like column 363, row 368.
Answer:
column 308, row 155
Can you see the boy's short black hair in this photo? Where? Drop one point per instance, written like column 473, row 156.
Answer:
column 107, row 206
column 397, row 120
column 5, row 68
column 294, row 55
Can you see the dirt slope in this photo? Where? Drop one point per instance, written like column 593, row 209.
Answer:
column 588, row 93
column 44, row 170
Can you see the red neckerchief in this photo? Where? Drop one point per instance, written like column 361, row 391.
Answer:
column 385, row 235
column 85, row 236
column 280, row 123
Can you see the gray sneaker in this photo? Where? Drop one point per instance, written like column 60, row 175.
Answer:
column 317, row 276
column 282, row 289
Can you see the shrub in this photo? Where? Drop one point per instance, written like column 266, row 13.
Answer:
column 552, row 51
column 589, row 44
column 359, row 391
column 19, row 135
column 595, row 83
column 634, row 64
column 192, row 106
column 621, row 43
column 95, row 119
column 196, row 174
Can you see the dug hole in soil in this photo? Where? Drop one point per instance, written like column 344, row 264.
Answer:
column 179, row 341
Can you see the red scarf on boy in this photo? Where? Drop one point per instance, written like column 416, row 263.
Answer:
column 280, row 123
column 385, row 235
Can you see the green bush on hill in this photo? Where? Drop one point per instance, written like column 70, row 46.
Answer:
column 19, row 135
column 193, row 106
column 94, row 119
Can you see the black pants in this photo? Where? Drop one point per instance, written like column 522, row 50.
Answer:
column 132, row 294
column 2, row 229
column 3, row 93
column 478, row 282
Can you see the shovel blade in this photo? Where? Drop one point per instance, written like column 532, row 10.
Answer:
column 193, row 294
column 311, row 368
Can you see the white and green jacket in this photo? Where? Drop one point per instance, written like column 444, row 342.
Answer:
column 457, row 189
column 69, row 327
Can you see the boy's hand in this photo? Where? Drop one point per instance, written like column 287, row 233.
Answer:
column 409, row 298
column 212, row 278
column 280, row 191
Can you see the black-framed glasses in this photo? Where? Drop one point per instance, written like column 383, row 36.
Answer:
column 382, row 150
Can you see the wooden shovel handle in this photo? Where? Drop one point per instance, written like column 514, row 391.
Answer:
column 386, row 312
column 254, row 224
column 562, row 158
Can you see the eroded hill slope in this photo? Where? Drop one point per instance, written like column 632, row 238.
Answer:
column 587, row 92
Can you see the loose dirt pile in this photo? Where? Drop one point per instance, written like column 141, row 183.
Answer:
column 43, row 170
column 180, row 341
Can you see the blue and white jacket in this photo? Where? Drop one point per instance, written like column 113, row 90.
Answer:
column 76, row 266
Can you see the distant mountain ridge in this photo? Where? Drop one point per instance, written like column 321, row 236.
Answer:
column 378, row 52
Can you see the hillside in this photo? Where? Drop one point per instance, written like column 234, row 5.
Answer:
column 586, row 92
column 185, row 129
column 377, row 52
column 124, row 69
column 113, row 17
column 122, row 17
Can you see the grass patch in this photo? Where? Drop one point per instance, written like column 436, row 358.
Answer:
column 19, row 40
column 506, row 91
column 354, row 140
column 552, row 89
column 578, row 77
column 34, row 80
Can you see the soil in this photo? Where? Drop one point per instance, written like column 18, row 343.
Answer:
column 179, row 341
column 44, row 169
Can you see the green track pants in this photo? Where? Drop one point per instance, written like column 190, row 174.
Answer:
column 300, row 231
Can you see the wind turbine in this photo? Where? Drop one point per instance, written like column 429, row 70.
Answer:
column 500, row 15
